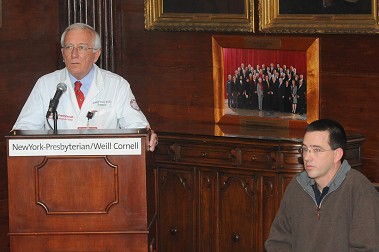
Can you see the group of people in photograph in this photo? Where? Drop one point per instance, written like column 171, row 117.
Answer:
column 272, row 88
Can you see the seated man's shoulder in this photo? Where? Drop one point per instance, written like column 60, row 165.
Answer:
column 359, row 181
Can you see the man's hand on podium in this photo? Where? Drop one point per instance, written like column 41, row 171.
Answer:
column 153, row 140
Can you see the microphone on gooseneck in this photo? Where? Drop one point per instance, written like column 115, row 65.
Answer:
column 61, row 88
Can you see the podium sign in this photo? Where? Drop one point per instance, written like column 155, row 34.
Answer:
column 81, row 191
column 73, row 146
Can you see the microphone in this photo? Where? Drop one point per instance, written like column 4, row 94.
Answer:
column 61, row 88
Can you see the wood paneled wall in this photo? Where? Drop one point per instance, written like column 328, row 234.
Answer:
column 171, row 73
column 29, row 48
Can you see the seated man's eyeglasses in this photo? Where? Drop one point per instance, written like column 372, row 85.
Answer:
column 314, row 150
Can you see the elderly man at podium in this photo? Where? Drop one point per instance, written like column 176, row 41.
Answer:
column 82, row 95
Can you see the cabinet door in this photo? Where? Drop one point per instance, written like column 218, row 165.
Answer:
column 176, row 214
column 237, row 212
column 267, row 207
column 206, row 181
column 284, row 179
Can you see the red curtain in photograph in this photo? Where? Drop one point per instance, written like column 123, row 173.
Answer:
column 233, row 57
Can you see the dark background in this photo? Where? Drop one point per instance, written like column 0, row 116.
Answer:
column 204, row 6
column 317, row 7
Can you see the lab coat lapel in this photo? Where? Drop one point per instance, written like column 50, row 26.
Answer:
column 70, row 89
column 96, row 86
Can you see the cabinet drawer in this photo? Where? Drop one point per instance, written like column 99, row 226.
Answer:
column 195, row 153
column 250, row 158
column 354, row 157
column 221, row 155
column 207, row 155
column 292, row 161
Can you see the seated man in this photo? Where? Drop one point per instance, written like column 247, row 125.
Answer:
column 329, row 206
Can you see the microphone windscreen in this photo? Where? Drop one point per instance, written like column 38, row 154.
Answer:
column 62, row 86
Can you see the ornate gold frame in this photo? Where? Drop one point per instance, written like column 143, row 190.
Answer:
column 309, row 45
column 270, row 20
column 157, row 19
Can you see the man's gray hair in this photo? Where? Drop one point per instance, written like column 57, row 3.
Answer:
column 82, row 26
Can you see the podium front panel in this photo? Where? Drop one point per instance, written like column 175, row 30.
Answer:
column 81, row 202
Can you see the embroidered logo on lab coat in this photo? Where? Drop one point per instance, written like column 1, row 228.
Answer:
column 134, row 105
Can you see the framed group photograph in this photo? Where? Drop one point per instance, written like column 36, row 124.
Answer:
column 199, row 15
column 265, row 80
column 318, row 16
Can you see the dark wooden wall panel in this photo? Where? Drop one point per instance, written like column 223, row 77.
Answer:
column 353, row 101
column 349, row 54
column 172, row 70
column 349, row 80
column 175, row 96
column 28, row 49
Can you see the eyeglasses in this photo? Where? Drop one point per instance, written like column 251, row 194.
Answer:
column 80, row 48
column 316, row 150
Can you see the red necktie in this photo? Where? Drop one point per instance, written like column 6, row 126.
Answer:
column 79, row 94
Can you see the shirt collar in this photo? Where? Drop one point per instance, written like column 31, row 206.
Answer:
column 86, row 81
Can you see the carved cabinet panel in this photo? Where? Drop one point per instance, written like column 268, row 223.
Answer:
column 206, row 223
column 237, row 209
column 267, row 207
column 222, row 194
column 177, row 216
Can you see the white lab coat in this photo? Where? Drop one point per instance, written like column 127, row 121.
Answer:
column 109, row 97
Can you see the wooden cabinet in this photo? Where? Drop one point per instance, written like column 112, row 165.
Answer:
column 222, row 193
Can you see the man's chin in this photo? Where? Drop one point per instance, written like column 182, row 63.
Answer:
column 76, row 73
column 311, row 173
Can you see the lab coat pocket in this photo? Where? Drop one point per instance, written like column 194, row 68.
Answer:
column 103, row 119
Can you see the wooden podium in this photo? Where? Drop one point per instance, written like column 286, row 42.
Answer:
column 81, row 190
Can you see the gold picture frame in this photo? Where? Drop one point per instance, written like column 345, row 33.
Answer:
column 187, row 18
column 309, row 45
column 274, row 17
